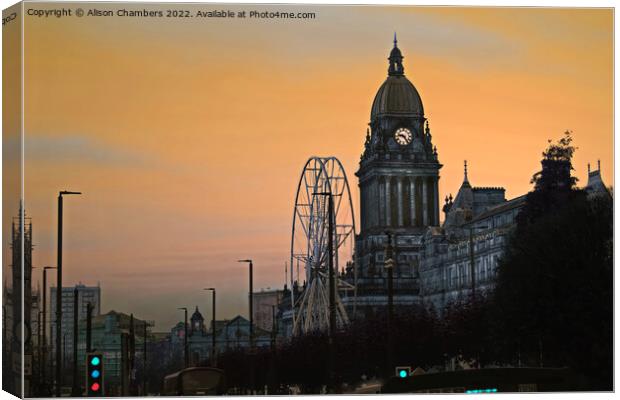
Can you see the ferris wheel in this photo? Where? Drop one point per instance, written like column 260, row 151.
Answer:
column 321, row 179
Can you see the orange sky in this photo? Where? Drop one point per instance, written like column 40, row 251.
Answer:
column 187, row 137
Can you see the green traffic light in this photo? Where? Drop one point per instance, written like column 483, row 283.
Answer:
column 95, row 361
column 402, row 373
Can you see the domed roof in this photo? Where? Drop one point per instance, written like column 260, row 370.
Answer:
column 397, row 96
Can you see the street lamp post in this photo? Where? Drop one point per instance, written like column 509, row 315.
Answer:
column 389, row 267
column 89, row 322
column 330, row 262
column 332, row 287
column 59, row 360
column 186, row 353
column 75, row 384
column 274, row 327
column 44, row 323
column 251, row 302
column 251, row 324
column 213, row 361
column 144, row 391
column 40, row 349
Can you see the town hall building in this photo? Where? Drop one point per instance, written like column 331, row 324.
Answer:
column 434, row 262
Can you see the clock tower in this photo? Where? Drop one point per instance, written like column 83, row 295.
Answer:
column 398, row 180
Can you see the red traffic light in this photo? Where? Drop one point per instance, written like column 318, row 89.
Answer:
column 94, row 387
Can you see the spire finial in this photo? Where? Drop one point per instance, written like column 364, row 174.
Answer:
column 599, row 164
column 465, row 179
column 396, row 60
column 588, row 168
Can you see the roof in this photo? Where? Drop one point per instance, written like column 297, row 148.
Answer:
column 461, row 209
column 396, row 96
column 123, row 319
column 595, row 183
column 197, row 315
column 508, row 205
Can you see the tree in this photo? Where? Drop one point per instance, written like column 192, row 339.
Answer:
column 552, row 303
column 553, row 184
column 465, row 330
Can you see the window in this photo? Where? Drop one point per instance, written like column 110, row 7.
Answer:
column 452, row 278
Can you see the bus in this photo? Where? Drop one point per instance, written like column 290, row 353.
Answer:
column 195, row 381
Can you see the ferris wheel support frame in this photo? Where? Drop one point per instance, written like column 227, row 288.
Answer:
column 329, row 180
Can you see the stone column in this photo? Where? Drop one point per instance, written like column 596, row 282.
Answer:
column 374, row 202
column 436, row 200
column 425, row 201
column 388, row 202
column 381, row 211
column 412, row 200
column 400, row 201
column 362, row 205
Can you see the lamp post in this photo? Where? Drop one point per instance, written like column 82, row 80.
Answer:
column 59, row 360
column 332, row 287
column 330, row 262
column 274, row 326
column 251, row 302
column 213, row 361
column 75, row 384
column 40, row 350
column 144, row 391
column 251, row 353
column 185, row 352
column 472, row 258
column 44, row 323
column 389, row 267
column 89, row 323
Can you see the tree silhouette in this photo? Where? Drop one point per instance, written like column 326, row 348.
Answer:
column 552, row 304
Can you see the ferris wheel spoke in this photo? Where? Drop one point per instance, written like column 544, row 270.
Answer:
column 311, row 236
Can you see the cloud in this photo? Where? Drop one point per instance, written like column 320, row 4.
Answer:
column 81, row 150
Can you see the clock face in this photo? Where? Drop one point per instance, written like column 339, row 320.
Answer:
column 403, row 136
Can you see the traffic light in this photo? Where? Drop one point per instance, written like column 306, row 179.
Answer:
column 403, row 372
column 94, row 374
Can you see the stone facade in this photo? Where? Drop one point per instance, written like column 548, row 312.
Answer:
column 265, row 307
column 476, row 226
column 398, row 179
column 229, row 335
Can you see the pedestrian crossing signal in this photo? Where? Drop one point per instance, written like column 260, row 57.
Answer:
column 94, row 374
